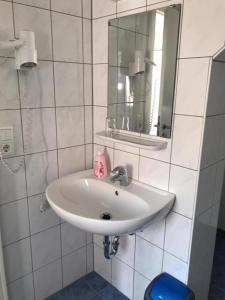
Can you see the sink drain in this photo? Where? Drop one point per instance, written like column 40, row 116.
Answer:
column 105, row 216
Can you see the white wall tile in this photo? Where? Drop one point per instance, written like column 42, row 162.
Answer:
column 70, row 126
column 88, row 84
column 90, row 258
column 37, row 20
column 132, row 12
column 9, row 94
column 213, row 141
column 98, row 240
column 187, row 141
column 87, row 7
column 37, row 91
column 36, row 165
column 101, row 265
column 128, row 160
column 100, row 77
column 122, row 277
column 88, row 124
column 11, row 118
column 72, row 238
column 215, row 215
column 221, row 132
column 130, row 4
column 140, row 285
column 178, row 235
column 183, row 183
column 175, row 267
column 14, row 221
column 153, row 172
column 202, row 250
column 68, row 84
column 216, row 89
column 154, row 233
column 38, row 3
column 191, row 94
column 69, row 7
column 206, row 189
column 40, row 220
column 100, row 36
column 39, row 128
column 150, row 2
column 67, row 47
column 74, row 266
column 71, row 160
column 6, row 23
column 48, row 280
column 36, row 86
column 148, row 258
column 100, row 114
column 99, row 141
column 89, row 156
column 126, row 148
column 16, row 268
column 89, row 237
column 201, row 30
column 45, row 247
column 12, row 186
column 87, row 39
column 219, row 182
column 127, row 249
column 22, row 288
column 103, row 8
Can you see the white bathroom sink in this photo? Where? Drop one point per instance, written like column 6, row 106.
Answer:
column 81, row 199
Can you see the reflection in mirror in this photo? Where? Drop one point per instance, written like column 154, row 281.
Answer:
column 142, row 71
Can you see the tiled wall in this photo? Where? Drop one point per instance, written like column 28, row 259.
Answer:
column 42, row 254
column 184, row 168
column 210, row 182
column 54, row 101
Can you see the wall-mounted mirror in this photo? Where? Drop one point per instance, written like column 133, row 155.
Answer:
column 142, row 71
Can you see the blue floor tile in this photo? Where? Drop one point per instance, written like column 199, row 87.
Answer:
column 79, row 290
column 90, row 287
column 111, row 293
column 96, row 281
column 97, row 297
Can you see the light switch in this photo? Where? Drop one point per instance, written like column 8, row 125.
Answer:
column 7, row 141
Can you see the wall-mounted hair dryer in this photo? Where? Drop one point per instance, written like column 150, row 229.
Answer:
column 25, row 50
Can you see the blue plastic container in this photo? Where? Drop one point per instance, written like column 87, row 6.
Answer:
column 166, row 287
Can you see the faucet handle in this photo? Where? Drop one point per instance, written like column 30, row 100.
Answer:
column 120, row 169
column 120, row 174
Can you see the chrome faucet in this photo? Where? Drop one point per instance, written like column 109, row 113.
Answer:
column 121, row 175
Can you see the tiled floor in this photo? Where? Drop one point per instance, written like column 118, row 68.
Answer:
column 90, row 287
column 217, row 289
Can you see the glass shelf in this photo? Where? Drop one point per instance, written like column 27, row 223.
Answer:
column 133, row 140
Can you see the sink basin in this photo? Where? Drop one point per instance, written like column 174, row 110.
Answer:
column 106, row 208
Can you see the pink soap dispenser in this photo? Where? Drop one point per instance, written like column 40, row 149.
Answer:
column 100, row 167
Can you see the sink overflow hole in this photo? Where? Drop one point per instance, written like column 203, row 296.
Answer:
column 105, row 216
column 116, row 193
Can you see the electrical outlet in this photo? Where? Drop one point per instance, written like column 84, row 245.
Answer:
column 7, row 141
